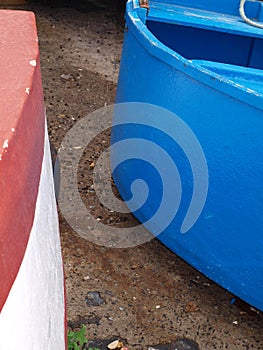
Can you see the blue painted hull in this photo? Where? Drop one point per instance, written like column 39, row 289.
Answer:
column 211, row 79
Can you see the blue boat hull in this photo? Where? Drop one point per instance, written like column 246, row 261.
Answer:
column 225, row 241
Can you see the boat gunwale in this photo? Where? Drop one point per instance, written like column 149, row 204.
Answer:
column 232, row 23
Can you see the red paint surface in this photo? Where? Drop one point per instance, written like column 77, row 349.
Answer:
column 20, row 163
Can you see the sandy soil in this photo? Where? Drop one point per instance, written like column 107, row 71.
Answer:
column 146, row 295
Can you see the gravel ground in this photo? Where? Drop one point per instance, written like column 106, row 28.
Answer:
column 144, row 295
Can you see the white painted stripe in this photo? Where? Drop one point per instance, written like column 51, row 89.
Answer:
column 33, row 315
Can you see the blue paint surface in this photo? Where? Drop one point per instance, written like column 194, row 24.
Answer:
column 217, row 90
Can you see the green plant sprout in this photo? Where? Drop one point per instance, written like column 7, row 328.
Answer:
column 77, row 339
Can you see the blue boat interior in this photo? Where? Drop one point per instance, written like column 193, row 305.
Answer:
column 213, row 35
column 204, row 35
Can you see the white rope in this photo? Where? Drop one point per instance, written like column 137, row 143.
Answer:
column 245, row 18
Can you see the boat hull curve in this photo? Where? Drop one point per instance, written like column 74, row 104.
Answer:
column 225, row 242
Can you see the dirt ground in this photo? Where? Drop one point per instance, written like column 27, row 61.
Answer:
column 144, row 295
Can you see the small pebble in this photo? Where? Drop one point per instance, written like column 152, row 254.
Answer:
column 66, row 77
column 94, row 299
column 116, row 344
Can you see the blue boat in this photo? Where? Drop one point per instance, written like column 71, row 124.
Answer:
column 190, row 102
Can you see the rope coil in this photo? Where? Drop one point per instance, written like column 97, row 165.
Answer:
column 245, row 18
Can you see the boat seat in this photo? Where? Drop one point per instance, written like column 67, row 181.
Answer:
column 200, row 18
column 249, row 78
